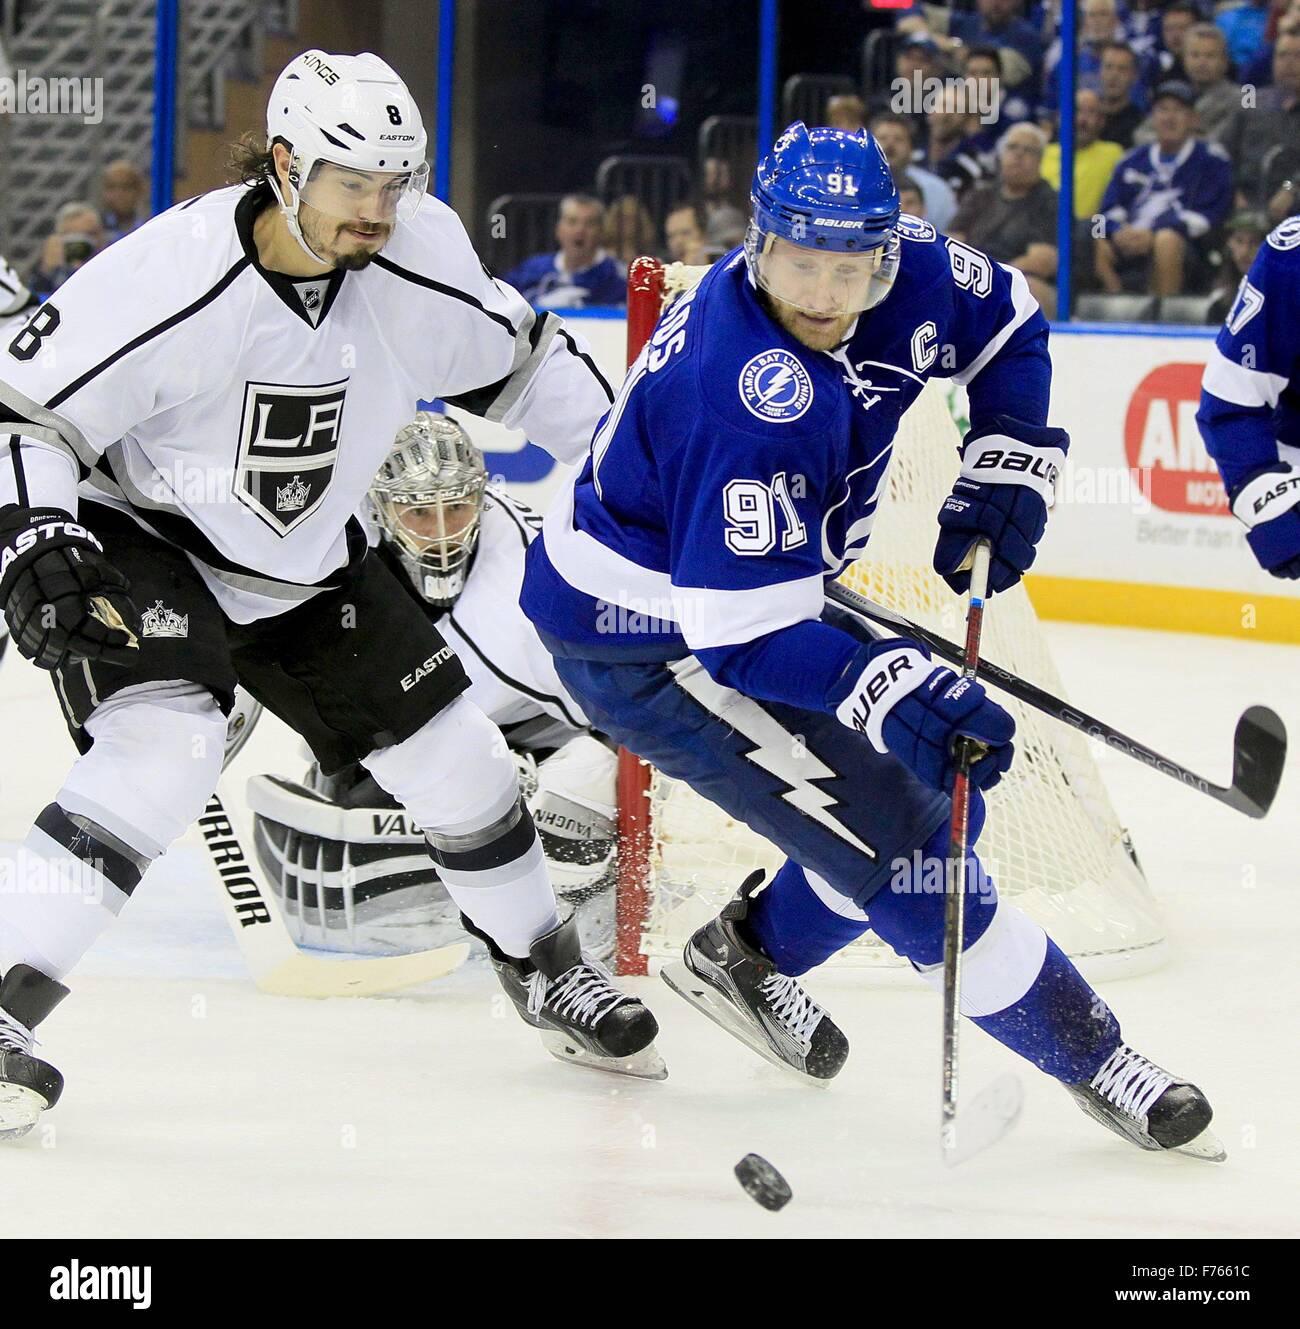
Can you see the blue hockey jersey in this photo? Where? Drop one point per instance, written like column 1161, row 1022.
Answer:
column 1250, row 395
column 1190, row 192
column 738, row 470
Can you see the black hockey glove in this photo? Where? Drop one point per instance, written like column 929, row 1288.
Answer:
column 63, row 600
column 1007, row 481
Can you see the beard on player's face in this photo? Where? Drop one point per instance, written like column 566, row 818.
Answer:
column 339, row 242
column 816, row 334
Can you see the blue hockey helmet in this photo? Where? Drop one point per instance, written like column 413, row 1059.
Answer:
column 821, row 236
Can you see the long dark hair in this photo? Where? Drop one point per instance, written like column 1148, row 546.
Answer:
column 251, row 160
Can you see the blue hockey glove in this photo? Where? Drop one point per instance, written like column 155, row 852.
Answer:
column 1268, row 504
column 915, row 711
column 1007, row 482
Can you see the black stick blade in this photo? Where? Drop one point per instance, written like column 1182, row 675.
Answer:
column 1258, row 756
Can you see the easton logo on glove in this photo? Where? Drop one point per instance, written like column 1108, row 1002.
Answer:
column 1286, row 488
column 46, row 530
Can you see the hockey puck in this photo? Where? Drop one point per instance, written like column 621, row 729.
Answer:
column 763, row 1183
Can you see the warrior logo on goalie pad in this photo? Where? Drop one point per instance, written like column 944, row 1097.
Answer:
column 288, row 444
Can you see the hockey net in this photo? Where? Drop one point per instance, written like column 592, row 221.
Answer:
column 1052, row 842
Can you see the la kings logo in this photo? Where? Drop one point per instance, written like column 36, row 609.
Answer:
column 288, row 445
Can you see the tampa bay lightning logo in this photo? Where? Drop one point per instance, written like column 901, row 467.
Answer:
column 776, row 386
column 913, row 228
column 1287, row 235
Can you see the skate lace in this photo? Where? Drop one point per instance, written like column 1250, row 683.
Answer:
column 791, row 1005
column 1130, row 1081
column 584, row 993
column 14, row 1037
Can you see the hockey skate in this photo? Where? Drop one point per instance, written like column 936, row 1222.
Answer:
column 1138, row 1100
column 737, row 986
column 569, row 998
column 28, row 1085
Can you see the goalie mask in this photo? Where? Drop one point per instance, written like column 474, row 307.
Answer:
column 356, row 143
column 428, row 500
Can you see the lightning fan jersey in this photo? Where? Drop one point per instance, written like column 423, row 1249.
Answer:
column 512, row 675
column 737, row 470
column 241, row 415
column 1250, row 395
column 1190, row 193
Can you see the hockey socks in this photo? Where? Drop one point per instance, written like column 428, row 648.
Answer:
column 1017, row 984
column 456, row 779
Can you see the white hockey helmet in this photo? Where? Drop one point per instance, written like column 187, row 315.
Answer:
column 353, row 112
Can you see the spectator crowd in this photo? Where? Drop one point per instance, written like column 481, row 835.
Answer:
column 82, row 228
column 1186, row 148
column 1186, row 129
column 1186, row 132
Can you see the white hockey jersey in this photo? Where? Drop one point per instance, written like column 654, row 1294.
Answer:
column 241, row 415
column 512, row 675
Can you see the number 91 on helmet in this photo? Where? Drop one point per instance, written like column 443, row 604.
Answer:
column 821, row 237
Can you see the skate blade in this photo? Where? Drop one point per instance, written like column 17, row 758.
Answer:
column 1205, row 1146
column 702, row 996
column 20, row 1110
column 644, row 1065
column 991, row 1115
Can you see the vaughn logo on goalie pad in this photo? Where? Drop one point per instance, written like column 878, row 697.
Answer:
column 288, row 445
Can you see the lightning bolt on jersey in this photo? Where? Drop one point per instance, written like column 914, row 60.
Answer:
column 1250, row 395
column 241, row 415
column 737, row 470
column 512, row 675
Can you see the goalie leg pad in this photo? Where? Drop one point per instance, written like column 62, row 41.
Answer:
column 574, row 808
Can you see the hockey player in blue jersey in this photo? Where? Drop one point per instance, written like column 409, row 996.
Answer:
column 1250, row 403
column 680, row 584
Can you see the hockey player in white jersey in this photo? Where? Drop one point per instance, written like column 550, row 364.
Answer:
column 346, row 864
column 680, row 583
column 16, row 306
column 193, row 421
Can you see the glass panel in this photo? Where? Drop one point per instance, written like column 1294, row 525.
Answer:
column 596, row 126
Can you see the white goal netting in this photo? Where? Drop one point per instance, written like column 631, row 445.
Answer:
column 1052, row 843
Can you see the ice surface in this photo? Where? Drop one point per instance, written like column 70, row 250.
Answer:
column 196, row 1106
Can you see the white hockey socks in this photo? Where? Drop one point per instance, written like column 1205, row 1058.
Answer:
column 457, row 780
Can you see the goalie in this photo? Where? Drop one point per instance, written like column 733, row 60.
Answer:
column 344, row 860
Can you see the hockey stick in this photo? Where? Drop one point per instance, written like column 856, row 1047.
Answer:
column 987, row 1125
column 275, row 961
column 1258, row 745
